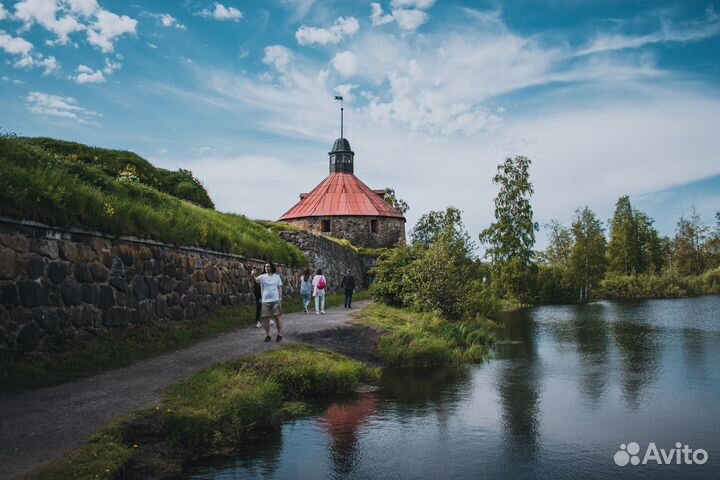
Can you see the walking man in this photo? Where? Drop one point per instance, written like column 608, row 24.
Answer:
column 271, row 294
column 348, row 285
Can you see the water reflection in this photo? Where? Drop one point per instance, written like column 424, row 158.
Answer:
column 342, row 422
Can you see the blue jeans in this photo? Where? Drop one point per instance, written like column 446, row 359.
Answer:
column 348, row 298
column 306, row 299
column 320, row 303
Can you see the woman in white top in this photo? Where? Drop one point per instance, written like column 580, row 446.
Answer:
column 319, row 284
column 306, row 288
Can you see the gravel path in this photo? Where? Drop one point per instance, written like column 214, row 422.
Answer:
column 39, row 426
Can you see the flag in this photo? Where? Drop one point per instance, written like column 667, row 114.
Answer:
column 338, row 97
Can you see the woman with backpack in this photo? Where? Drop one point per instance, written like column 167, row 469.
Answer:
column 306, row 288
column 319, row 287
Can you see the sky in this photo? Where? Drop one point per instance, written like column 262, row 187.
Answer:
column 607, row 98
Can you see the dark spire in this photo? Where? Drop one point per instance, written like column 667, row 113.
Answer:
column 342, row 157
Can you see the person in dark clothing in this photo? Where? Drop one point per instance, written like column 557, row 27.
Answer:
column 258, row 297
column 348, row 285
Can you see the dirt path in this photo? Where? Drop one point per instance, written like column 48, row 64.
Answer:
column 42, row 425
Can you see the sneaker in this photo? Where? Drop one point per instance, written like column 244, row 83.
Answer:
column 267, row 339
column 272, row 322
column 323, row 312
column 257, row 325
column 306, row 311
column 278, row 338
column 317, row 313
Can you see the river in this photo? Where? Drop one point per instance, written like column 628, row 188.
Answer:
column 571, row 392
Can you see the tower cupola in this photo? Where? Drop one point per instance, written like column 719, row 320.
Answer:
column 341, row 157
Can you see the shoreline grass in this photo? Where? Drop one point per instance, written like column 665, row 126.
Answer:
column 415, row 339
column 136, row 344
column 212, row 411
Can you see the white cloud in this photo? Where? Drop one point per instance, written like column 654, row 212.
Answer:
column 345, row 63
column 378, row 16
column 409, row 19
column 58, row 107
column 14, row 45
column 343, row 27
column 64, row 17
column 111, row 66
column 168, row 21
column 221, row 12
column 420, row 4
column 87, row 75
column 107, row 27
column 278, row 57
column 300, row 8
column 3, row 12
column 152, row 45
column 670, row 32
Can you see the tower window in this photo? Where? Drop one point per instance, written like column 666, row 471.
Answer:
column 332, row 159
column 325, row 226
column 373, row 226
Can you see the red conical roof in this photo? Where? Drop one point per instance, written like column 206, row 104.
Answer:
column 341, row 194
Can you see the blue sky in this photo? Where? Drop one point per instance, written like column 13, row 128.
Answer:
column 607, row 98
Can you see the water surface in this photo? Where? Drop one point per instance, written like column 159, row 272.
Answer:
column 557, row 401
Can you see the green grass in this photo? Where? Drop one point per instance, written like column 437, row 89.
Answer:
column 63, row 191
column 214, row 411
column 415, row 339
column 127, row 347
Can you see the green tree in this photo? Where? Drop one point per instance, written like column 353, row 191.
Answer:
column 443, row 226
column 560, row 245
column 588, row 259
column 712, row 246
column 394, row 201
column 511, row 237
column 635, row 245
column 689, row 245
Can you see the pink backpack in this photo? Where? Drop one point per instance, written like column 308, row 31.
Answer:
column 321, row 283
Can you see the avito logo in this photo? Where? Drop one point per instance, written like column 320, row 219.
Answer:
column 680, row 455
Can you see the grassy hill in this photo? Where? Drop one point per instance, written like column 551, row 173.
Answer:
column 67, row 184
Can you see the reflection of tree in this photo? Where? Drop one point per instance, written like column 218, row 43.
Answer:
column 694, row 347
column 519, row 385
column 342, row 421
column 591, row 337
column 641, row 350
column 413, row 392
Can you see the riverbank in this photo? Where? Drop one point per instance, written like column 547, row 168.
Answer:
column 212, row 412
column 42, row 425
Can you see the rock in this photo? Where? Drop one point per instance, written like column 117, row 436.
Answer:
column 82, row 316
column 125, row 253
column 29, row 337
column 46, row 248
column 83, row 273
column 89, row 293
column 99, row 272
column 19, row 243
column 166, row 284
column 106, row 296
column 177, row 313
column 119, row 283
column 146, row 311
column 106, row 259
column 48, row 319
column 32, row 293
column 35, row 267
column 181, row 287
column 139, row 288
column 157, row 253
column 170, row 269
column 197, row 277
column 212, row 274
column 99, row 244
column 71, row 292
column 4, row 315
column 70, row 251
column 57, row 272
column 161, row 308
column 8, row 264
column 118, row 268
column 118, row 317
column 152, row 287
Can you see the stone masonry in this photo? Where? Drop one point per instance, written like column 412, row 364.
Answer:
column 61, row 286
column 358, row 229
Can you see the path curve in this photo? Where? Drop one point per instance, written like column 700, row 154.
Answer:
column 41, row 425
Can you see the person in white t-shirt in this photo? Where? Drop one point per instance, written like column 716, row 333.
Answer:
column 319, row 284
column 271, row 293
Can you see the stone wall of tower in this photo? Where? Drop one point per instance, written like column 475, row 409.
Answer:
column 358, row 229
